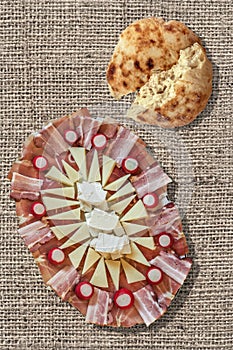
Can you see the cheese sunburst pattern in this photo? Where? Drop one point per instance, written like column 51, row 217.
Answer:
column 93, row 210
column 104, row 213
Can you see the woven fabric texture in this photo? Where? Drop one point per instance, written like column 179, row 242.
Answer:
column 54, row 55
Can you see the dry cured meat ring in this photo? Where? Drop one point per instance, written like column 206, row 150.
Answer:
column 104, row 236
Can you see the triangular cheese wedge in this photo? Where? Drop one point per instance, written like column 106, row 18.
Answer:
column 79, row 155
column 91, row 258
column 66, row 215
column 131, row 229
column 108, row 166
column 94, row 172
column 127, row 189
column 62, row 231
column 137, row 255
column 57, row 203
column 77, row 254
column 57, row 175
column 61, row 191
column 72, row 174
column 82, row 234
column 132, row 275
column 115, row 185
column 114, row 270
column 138, row 211
column 147, row 242
column 99, row 278
column 119, row 207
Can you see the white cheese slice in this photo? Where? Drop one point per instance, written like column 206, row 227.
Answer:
column 138, row 211
column 91, row 193
column 102, row 220
column 77, row 255
column 79, row 155
column 115, row 185
column 61, row 191
column 57, row 175
column 147, row 242
column 66, row 215
column 94, row 172
column 119, row 207
column 132, row 275
column 99, row 278
column 81, row 235
column 118, row 230
column 108, row 243
column 62, row 231
column 108, row 166
column 57, row 203
column 132, row 229
column 127, row 189
column 91, row 258
column 72, row 174
column 137, row 255
column 114, row 270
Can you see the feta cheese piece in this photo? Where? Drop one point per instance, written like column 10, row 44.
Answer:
column 91, row 193
column 101, row 220
column 112, row 244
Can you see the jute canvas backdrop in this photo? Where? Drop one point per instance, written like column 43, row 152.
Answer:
column 53, row 59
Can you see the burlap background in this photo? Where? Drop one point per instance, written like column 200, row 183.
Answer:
column 53, row 59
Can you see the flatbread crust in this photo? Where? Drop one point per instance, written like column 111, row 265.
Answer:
column 175, row 97
column 147, row 45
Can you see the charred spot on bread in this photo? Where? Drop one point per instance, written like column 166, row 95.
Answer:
column 150, row 63
column 111, row 71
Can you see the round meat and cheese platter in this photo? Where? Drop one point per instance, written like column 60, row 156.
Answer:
column 93, row 210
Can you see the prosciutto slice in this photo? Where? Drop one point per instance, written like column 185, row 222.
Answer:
column 63, row 281
column 108, row 128
column 150, row 180
column 34, row 233
column 125, row 318
column 98, row 307
column 25, row 187
column 167, row 220
column 166, row 290
column 53, row 139
column 147, row 306
column 121, row 146
column 174, row 267
column 90, row 128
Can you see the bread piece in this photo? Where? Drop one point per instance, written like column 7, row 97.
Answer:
column 175, row 97
column 145, row 46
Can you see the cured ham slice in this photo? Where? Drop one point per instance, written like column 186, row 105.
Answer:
column 108, row 128
column 166, row 220
column 147, row 306
column 174, row 267
column 90, row 127
column 25, row 187
column 98, row 307
column 34, row 233
column 64, row 281
column 54, row 139
column 121, row 145
column 166, row 290
column 150, row 180
column 125, row 318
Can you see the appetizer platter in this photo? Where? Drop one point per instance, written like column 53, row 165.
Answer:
column 93, row 210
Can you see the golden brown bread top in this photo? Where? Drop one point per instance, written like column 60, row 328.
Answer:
column 145, row 46
column 175, row 97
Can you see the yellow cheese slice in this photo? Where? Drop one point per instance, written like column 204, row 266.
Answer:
column 66, row 215
column 132, row 275
column 62, row 192
column 108, row 166
column 138, row 211
column 94, row 173
column 62, row 231
column 77, row 254
column 91, row 258
column 119, row 207
column 72, row 174
column 131, row 229
column 99, row 278
column 137, row 255
column 57, row 203
column 82, row 234
column 79, row 155
column 57, row 175
column 147, row 242
column 115, row 185
column 127, row 189
column 114, row 270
